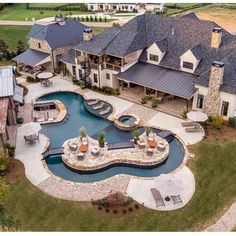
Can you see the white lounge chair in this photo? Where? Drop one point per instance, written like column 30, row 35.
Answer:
column 94, row 102
column 141, row 144
column 95, row 151
column 104, row 112
column 99, row 106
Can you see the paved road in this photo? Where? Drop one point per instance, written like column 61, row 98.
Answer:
column 21, row 23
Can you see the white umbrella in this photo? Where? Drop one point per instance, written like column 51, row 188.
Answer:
column 197, row 116
column 169, row 184
column 45, row 75
column 32, row 128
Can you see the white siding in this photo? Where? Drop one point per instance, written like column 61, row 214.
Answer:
column 188, row 57
column 154, row 49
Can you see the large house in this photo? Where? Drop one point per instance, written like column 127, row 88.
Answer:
column 48, row 42
column 182, row 56
column 11, row 95
column 125, row 7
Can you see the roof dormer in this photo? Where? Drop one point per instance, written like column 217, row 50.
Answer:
column 157, row 51
column 191, row 58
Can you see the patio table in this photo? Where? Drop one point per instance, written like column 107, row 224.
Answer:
column 152, row 144
column 83, row 148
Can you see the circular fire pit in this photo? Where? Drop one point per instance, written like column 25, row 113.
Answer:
column 127, row 122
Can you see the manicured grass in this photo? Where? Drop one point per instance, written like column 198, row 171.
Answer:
column 6, row 63
column 11, row 34
column 19, row 12
column 182, row 5
column 46, row 4
column 214, row 167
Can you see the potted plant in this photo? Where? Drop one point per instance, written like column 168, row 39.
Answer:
column 82, row 132
column 144, row 100
column 154, row 102
column 10, row 149
column 136, row 135
column 101, row 139
column 148, row 130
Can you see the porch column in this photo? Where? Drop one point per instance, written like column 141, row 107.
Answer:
column 144, row 91
column 155, row 94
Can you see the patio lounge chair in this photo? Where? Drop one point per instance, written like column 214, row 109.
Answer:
column 93, row 102
column 157, row 197
column 104, row 112
column 95, row 151
column 189, row 123
column 80, row 156
column 150, row 151
column 99, row 106
column 72, row 146
column 176, row 199
column 193, row 129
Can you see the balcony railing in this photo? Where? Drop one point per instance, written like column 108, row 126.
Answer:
column 113, row 67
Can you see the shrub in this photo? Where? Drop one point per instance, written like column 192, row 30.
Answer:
column 101, row 139
column 10, row 149
column 19, row 120
column 184, row 114
column 154, row 102
column 136, row 135
column 115, row 211
column 105, row 19
column 130, row 209
column 99, row 208
column 95, row 19
column 87, row 18
column 136, row 206
column 217, row 121
column 91, row 18
column 82, row 84
column 144, row 100
column 31, row 79
column 57, row 70
column 107, row 89
column 148, row 130
column 127, row 201
column 100, row 19
column 116, row 91
column 232, row 121
column 124, row 211
column 94, row 87
column 107, row 210
column 4, row 161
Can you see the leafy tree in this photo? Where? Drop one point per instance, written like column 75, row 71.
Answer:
column 3, row 47
column 20, row 47
column 83, row 7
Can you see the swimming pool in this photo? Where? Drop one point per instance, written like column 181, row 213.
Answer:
column 79, row 117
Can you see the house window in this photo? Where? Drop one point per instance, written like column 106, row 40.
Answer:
column 187, row 65
column 153, row 57
column 95, row 78
column 80, row 73
column 91, row 7
column 200, row 98
column 73, row 71
column 224, row 108
column 107, row 76
column 39, row 45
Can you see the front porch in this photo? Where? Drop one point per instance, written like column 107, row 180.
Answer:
column 170, row 104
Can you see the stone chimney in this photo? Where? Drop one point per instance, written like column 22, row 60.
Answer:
column 216, row 37
column 212, row 100
column 88, row 34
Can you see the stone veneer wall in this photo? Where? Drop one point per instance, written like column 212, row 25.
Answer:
column 212, row 100
column 33, row 44
column 216, row 39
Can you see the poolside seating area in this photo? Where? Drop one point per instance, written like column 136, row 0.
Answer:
column 99, row 107
column 191, row 126
column 30, row 139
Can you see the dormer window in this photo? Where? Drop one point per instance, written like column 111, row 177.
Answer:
column 188, row 65
column 153, row 57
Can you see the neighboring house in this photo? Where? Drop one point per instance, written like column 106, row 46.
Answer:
column 181, row 56
column 125, row 7
column 11, row 96
column 48, row 42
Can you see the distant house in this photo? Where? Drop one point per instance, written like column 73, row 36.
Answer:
column 48, row 42
column 190, row 59
column 125, row 7
column 11, row 95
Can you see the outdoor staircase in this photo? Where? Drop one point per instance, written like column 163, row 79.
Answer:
column 170, row 138
column 86, row 75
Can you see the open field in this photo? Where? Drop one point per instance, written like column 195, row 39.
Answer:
column 214, row 169
column 222, row 14
column 11, row 34
column 19, row 12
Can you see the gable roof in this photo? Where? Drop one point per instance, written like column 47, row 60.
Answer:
column 181, row 33
column 229, row 79
column 163, row 45
column 58, row 35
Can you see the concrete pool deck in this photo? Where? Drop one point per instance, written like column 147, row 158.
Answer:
column 37, row 172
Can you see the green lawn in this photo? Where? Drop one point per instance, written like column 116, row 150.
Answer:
column 19, row 12
column 182, row 5
column 214, row 167
column 11, row 34
column 46, row 4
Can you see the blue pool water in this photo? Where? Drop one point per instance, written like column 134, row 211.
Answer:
column 80, row 117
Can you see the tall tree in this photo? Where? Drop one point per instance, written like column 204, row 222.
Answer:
column 3, row 47
column 20, row 47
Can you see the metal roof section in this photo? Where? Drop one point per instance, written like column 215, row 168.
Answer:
column 165, row 80
column 32, row 57
column 6, row 81
column 18, row 94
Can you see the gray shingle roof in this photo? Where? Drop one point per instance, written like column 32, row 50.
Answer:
column 59, row 35
column 229, row 79
column 162, row 79
column 197, row 52
column 31, row 57
column 163, row 45
column 191, row 15
column 6, row 81
column 68, row 57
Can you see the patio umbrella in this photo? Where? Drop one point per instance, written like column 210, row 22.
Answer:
column 169, row 184
column 197, row 116
column 32, row 128
column 44, row 75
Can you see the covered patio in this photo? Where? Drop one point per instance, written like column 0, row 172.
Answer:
column 172, row 89
column 32, row 62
